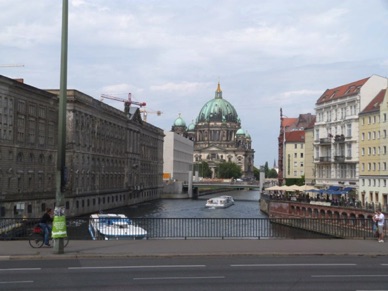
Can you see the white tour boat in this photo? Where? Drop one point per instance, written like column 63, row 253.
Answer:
column 114, row 226
column 220, row 202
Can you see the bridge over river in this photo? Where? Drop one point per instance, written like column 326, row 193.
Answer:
column 198, row 187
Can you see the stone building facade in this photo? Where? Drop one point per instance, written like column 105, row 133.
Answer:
column 28, row 146
column 112, row 158
column 336, row 131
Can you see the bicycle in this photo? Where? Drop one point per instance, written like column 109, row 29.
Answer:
column 36, row 238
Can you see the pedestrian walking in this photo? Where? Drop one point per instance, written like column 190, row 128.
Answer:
column 380, row 219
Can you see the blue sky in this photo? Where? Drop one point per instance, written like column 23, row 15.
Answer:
column 171, row 54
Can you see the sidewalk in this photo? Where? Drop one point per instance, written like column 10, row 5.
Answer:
column 10, row 250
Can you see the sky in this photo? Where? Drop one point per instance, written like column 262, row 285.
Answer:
column 171, row 54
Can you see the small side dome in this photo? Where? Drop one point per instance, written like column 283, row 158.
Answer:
column 191, row 126
column 247, row 135
column 179, row 121
column 240, row 132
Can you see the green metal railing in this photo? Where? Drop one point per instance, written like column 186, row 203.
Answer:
column 208, row 228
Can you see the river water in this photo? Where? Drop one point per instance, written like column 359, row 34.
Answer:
column 246, row 206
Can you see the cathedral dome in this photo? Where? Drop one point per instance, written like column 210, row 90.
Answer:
column 218, row 109
column 191, row 127
column 179, row 122
column 240, row 132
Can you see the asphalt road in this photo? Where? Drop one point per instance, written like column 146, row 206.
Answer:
column 199, row 273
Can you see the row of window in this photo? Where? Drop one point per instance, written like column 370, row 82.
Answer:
column 337, row 114
column 374, row 119
column 340, row 130
column 374, row 135
column 374, row 183
column 374, row 166
column 374, row 150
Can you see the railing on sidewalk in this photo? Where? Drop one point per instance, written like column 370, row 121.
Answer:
column 370, row 206
column 208, row 228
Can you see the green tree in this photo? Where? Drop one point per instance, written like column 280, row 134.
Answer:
column 266, row 169
column 272, row 173
column 203, row 169
column 227, row 170
column 256, row 173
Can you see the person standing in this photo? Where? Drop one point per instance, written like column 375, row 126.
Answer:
column 380, row 218
column 45, row 224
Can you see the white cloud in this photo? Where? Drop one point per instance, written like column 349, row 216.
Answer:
column 181, row 88
column 267, row 54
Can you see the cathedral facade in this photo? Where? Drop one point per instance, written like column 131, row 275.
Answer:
column 218, row 136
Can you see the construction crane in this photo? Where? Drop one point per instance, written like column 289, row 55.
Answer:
column 127, row 103
column 146, row 111
column 10, row 65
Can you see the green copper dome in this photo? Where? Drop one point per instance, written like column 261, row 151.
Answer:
column 240, row 132
column 191, row 127
column 218, row 109
column 179, row 121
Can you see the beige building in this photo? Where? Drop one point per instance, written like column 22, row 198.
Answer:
column 373, row 152
column 309, row 168
column 289, row 127
column 178, row 156
column 294, row 154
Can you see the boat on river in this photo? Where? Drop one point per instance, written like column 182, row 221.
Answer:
column 114, row 226
column 220, row 202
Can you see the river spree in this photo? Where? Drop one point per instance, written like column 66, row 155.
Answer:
column 246, row 206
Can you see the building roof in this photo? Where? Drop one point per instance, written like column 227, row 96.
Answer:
column 295, row 136
column 311, row 124
column 288, row 122
column 342, row 91
column 301, row 122
column 374, row 105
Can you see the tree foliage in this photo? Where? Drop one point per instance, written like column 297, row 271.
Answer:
column 272, row 173
column 266, row 169
column 256, row 173
column 203, row 169
column 227, row 170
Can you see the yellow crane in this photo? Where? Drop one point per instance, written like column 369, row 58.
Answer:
column 145, row 112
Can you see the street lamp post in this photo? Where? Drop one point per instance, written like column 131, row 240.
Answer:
column 59, row 226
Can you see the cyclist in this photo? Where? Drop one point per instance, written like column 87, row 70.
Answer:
column 45, row 223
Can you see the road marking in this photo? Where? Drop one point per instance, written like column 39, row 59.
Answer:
column 16, row 282
column 348, row 276
column 21, row 269
column 179, row 278
column 137, row 267
column 291, row 265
